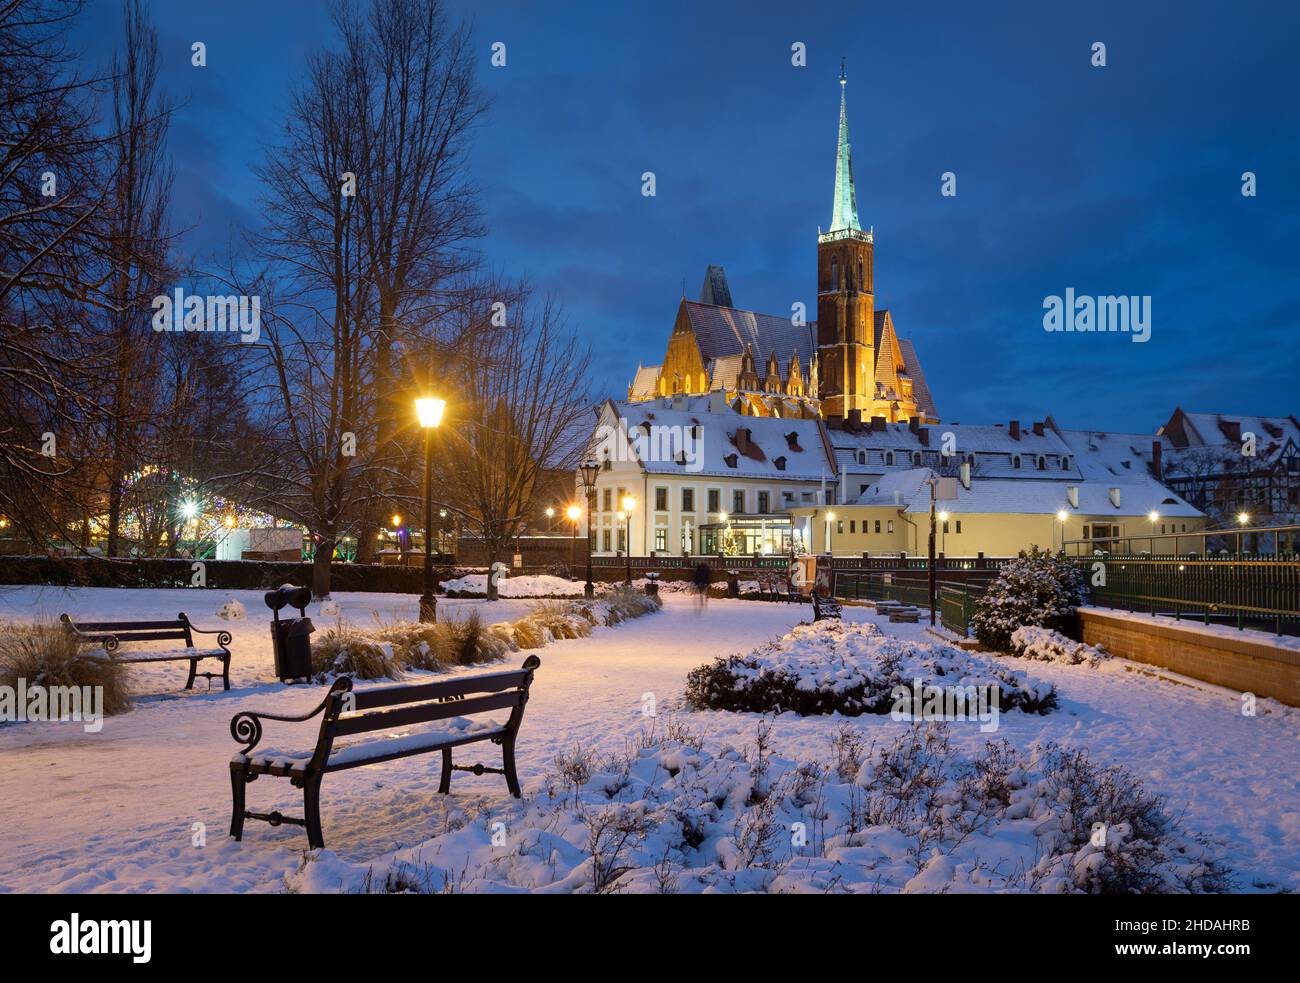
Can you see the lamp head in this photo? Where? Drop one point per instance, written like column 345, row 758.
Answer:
column 428, row 409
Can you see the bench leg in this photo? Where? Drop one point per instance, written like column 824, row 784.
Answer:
column 225, row 671
column 444, row 786
column 311, row 811
column 238, row 783
column 508, row 763
column 194, row 668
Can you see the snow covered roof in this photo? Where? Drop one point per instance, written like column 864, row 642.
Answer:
column 1102, row 456
column 1028, row 496
column 995, row 450
column 643, row 384
column 724, row 443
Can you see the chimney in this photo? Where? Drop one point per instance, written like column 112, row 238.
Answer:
column 913, row 424
column 1114, row 496
column 679, row 403
column 965, row 475
column 718, row 401
column 742, row 439
column 1157, row 465
column 878, row 424
column 1072, row 496
column 924, row 434
column 855, row 419
column 1015, row 429
column 1038, row 429
column 898, row 497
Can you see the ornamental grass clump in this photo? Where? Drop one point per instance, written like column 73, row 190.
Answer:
column 46, row 654
column 345, row 651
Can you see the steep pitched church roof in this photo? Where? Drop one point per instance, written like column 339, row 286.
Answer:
column 721, row 331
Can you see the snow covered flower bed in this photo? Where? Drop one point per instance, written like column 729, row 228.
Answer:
column 541, row 585
column 853, row 668
column 1045, row 645
column 912, row 815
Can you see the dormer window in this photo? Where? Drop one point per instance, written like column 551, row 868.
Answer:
column 1015, row 461
column 1042, row 463
column 917, row 459
column 731, row 460
column 889, row 458
column 779, row 462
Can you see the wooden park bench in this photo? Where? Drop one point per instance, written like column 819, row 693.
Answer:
column 384, row 718
column 111, row 635
column 825, row 608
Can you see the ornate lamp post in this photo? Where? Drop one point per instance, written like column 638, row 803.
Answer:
column 574, row 513
column 589, row 470
column 428, row 410
column 629, row 503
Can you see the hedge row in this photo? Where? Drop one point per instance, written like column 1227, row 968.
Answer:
column 218, row 574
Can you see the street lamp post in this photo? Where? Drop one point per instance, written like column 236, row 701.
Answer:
column 943, row 536
column 629, row 503
column 428, row 410
column 589, row 470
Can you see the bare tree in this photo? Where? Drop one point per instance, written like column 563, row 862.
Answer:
column 518, row 408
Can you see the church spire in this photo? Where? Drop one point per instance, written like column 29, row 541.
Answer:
column 845, row 214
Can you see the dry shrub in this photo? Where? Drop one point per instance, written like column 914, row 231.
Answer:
column 529, row 634
column 562, row 619
column 47, row 654
column 625, row 603
column 345, row 651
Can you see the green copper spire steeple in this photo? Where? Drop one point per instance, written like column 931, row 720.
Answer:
column 845, row 214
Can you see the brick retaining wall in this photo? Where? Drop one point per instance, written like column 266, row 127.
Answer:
column 1247, row 661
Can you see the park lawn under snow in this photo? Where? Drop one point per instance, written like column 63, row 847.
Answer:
column 144, row 804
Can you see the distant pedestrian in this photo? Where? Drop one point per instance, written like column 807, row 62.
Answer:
column 701, row 581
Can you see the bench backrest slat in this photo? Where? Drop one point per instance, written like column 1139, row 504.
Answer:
column 420, row 713
column 141, row 636
column 116, row 627
column 388, row 696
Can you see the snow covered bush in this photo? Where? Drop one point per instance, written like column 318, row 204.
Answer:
column 1036, row 588
column 47, row 654
column 851, row 668
column 541, row 585
column 626, row 603
column 1046, row 645
column 232, row 610
column 916, row 814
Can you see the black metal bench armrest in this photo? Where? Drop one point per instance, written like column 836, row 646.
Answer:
column 223, row 635
column 246, row 726
column 107, row 639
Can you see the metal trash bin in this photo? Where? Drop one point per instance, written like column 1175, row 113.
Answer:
column 291, row 637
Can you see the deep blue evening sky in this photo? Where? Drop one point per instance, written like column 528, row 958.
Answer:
column 1123, row 179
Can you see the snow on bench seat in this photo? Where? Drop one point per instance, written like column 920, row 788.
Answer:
column 343, row 755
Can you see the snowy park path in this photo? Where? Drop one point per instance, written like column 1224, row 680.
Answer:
column 118, row 810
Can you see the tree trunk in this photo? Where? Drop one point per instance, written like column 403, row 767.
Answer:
column 493, row 555
column 320, row 566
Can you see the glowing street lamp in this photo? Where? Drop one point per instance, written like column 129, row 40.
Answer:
column 428, row 410
column 1243, row 518
column 1062, row 517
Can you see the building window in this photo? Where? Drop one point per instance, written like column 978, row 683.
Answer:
column 661, row 499
column 853, row 525
column 945, row 525
column 839, row 526
column 715, row 500
column 622, row 539
column 877, row 525
column 606, row 538
column 609, row 497
column 889, row 458
column 1015, row 461
column 959, row 525
column 661, row 539
column 688, row 499
column 764, row 501
column 889, row 526
column 738, row 501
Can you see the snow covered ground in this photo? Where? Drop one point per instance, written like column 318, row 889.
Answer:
column 144, row 803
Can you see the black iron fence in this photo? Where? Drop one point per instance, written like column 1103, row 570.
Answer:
column 1245, row 591
column 955, row 598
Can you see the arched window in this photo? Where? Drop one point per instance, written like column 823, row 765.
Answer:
column 1042, row 463
column 1065, row 463
column 835, row 273
column 970, row 459
column 889, row 458
column 1015, row 461
column 862, row 457
column 917, row 459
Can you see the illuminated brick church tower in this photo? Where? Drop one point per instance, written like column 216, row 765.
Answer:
column 845, row 304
